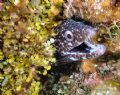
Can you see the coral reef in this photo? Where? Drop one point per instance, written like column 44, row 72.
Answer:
column 109, row 87
column 88, row 83
column 69, row 85
column 93, row 10
column 26, row 49
column 91, row 74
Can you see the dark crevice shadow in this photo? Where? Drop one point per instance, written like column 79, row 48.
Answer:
column 55, row 74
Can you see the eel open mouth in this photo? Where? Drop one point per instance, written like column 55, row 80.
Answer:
column 85, row 50
column 82, row 48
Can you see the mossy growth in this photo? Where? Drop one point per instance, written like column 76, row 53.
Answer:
column 25, row 51
column 108, row 32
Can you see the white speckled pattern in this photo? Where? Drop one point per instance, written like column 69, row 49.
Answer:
column 70, row 39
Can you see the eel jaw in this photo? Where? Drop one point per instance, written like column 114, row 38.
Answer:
column 86, row 50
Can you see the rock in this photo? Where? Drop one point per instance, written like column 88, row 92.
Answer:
column 93, row 10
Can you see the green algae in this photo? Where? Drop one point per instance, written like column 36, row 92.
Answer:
column 25, row 51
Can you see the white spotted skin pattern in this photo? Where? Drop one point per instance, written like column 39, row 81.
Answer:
column 80, row 33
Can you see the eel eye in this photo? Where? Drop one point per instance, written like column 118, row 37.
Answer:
column 68, row 36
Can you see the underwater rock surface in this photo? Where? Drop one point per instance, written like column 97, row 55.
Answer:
column 93, row 10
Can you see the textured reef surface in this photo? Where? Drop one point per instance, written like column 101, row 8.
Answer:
column 99, row 76
column 73, row 42
column 27, row 51
column 93, row 10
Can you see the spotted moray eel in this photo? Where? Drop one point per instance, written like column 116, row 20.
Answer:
column 73, row 42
